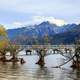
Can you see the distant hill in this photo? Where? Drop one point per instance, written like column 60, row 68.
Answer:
column 45, row 33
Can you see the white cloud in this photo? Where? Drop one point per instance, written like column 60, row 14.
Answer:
column 58, row 22
column 66, row 9
column 40, row 6
column 39, row 19
column 17, row 23
column 77, row 21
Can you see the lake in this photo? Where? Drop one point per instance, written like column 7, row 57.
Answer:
column 32, row 71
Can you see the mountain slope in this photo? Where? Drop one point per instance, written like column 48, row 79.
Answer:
column 45, row 32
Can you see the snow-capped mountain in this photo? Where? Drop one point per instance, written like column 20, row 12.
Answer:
column 56, row 34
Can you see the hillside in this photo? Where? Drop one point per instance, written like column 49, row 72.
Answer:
column 45, row 33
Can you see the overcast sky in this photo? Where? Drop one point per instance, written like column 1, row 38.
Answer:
column 14, row 13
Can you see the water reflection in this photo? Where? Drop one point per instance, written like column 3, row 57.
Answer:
column 75, row 74
column 43, row 74
column 31, row 71
column 14, row 65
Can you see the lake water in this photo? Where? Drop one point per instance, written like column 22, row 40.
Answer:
column 32, row 71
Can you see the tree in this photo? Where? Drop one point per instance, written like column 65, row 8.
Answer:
column 14, row 50
column 3, row 31
column 42, row 54
column 7, row 45
column 46, row 39
column 3, row 42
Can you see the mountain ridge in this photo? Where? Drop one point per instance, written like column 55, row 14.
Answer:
column 29, row 34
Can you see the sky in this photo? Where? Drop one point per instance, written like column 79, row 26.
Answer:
column 16, row 13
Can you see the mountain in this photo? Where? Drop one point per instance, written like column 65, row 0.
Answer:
column 37, row 30
column 45, row 33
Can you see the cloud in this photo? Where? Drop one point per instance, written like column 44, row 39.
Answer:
column 41, row 6
column 39, row 19
column 21, row 12
column 17, row 23
column 36, row 20
column 78, row 21
column 58, row 22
